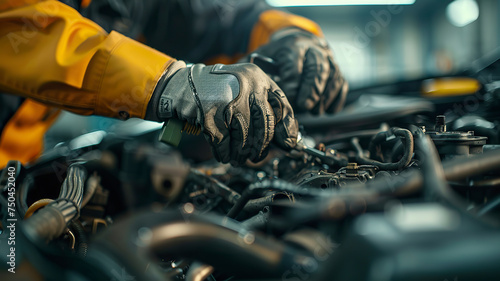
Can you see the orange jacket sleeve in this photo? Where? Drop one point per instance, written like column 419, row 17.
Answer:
column 51, row 54
column 22, row 137
column 269, row 21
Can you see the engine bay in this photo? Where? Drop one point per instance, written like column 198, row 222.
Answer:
column 397, row 186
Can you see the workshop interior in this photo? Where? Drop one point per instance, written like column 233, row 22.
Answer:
column 402, row 184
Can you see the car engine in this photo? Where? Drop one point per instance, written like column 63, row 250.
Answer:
column 400, row 185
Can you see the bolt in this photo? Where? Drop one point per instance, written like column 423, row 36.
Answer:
column 351, row 169
column 188, row 208
column 352, row 166
column 440, row 124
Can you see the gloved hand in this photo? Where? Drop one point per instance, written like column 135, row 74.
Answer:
column 308, row 74
column 239, row 108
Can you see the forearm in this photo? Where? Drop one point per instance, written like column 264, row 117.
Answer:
column 50, row 53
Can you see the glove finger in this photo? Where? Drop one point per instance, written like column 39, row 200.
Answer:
column 313, row 81
column 290, row 67
column 217, row 135
column 221, row 150
column 340, row 99
column 286, row 128
column 262, row 128
column 332, row 88
column 336, row 90
column 240, row 139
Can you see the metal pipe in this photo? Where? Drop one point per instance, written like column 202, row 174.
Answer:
column 210, row 239
column 199, row 272
column 460, row 168
column 257, row 221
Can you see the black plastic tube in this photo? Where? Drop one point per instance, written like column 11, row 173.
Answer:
column 50, row 222
column 255, row 190
column 358, row 196
column 81, row 237
column 407, row 139
column 210, row 239
column 435, row 184
column 407, row 182
column 256, row 205
column 258, row 221
column 221, row 189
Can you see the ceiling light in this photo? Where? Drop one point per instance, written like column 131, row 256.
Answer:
column 462, row 12
column 301, row 3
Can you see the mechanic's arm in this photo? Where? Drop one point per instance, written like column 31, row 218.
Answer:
column 52, row 54
column 226, row 30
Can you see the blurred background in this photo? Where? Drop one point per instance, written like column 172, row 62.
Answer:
column 395, row 40
column 384, row 43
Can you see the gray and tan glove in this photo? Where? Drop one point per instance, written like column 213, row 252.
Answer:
column 239, row 108
column 308, row 74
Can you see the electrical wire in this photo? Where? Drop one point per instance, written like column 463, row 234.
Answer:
column 74, row 184
column 37, row 205
column 51, row 221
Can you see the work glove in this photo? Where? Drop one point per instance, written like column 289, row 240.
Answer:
column 238, row 107
column 307, row 72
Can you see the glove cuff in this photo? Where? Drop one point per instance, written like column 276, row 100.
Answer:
column 154, row 103
column 271, row 21
column 287, row 31
column 298, row 32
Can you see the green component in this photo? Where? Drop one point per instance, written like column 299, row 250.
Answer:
column 172, row 132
